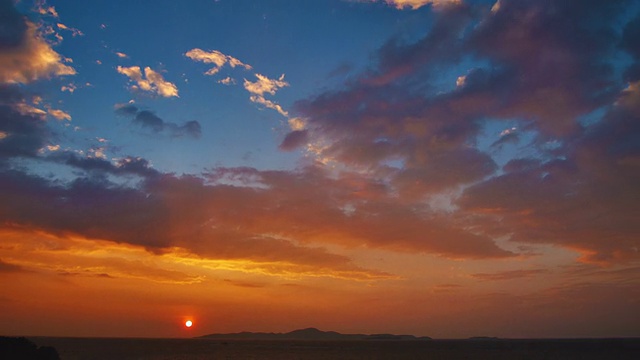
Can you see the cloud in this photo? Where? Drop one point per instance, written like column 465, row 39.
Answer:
column 628, row 42
column 43, row 9
column 569, row 201
column 23, row 130
column 98, row 165
column 59, row 114
column 542, row 66
column 25, row 56
column 269, row 104
column 227, row 81
column 509, row 275
column 149, row 120
column 265, row 85
column 145, row 222
column 416, row 4
column 74, row 32
column 557, row 49
column 122, row 55
column 257, row 89
column 294, row 139
column 153, row 81
column 214, row 57
column 71, row 87
column 8, row 267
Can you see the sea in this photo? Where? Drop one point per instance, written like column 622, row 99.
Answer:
column 494, row 349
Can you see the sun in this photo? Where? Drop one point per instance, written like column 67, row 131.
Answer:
column 188, row 323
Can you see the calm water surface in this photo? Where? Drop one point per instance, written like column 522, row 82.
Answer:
column 156, row 349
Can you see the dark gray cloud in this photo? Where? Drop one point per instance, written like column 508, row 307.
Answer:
column 124, row 166
column 23, row 133
column 294, row 140
column 559, row 53
column 147, row 119
column 629, row 43
column 13, row 27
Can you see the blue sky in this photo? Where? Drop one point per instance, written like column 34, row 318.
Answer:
column 313, row 52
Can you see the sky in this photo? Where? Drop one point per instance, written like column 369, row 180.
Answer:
column 443, row 168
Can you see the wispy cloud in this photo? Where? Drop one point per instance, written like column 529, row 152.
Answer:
column 509, row 275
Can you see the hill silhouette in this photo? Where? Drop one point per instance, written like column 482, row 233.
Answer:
column 311, row 334
column 16, row 348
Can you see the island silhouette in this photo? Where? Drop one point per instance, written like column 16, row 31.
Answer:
column 311, row 334
column 23, row 348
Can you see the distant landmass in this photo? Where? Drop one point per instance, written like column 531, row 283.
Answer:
column 311, row 334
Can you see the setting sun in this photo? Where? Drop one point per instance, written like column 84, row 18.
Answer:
column 188, row 323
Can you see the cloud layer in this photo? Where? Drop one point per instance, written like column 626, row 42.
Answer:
column 543, row 65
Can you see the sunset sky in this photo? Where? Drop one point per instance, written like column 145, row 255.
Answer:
column 447, row 168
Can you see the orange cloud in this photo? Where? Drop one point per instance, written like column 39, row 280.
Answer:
column 31, row 59
column 59, row 114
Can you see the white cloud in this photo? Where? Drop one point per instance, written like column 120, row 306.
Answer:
column 268, row 103
column 264, row 85
column 164, row 88
column 214, row 57
column 152, row 81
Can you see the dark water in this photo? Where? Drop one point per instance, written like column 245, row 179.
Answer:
column 155, row 349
